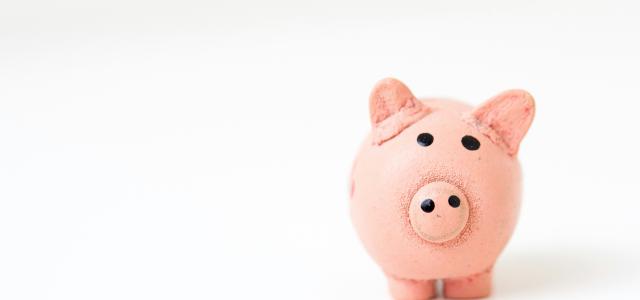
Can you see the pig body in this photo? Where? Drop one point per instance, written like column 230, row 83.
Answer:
column 436, row 188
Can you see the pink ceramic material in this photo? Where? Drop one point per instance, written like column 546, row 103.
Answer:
column 435, row 189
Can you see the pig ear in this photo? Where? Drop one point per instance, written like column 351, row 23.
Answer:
column 506, row 118
column 392, row 109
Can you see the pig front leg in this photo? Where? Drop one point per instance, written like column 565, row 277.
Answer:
column 473, row 286
column 406, row 289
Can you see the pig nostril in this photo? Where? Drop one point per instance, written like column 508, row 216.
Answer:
column 428, row 205
column 454, row 201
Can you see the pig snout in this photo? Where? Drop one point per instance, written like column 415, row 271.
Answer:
column 438, row 212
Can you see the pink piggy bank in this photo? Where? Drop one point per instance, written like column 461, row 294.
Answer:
column 435, row 189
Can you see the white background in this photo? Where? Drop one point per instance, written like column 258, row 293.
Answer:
column 201, row 149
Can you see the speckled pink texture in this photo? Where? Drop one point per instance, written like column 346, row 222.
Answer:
column 393, row 108
column 392, row 173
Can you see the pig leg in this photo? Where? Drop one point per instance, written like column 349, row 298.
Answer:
column 406, row 289
column 474, row 286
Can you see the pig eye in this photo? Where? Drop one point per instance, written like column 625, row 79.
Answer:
column 425, row 139
column 470, row 143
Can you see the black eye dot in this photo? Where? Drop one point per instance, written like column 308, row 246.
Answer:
column 425, row 139
column 470, row 143
column 454, row 201
column 428, row 205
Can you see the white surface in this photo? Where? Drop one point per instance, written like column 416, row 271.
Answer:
column 200, row 150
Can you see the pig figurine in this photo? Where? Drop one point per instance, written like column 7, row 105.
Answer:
column 435, row 188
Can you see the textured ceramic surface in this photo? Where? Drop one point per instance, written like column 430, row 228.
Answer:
column 435, row 188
